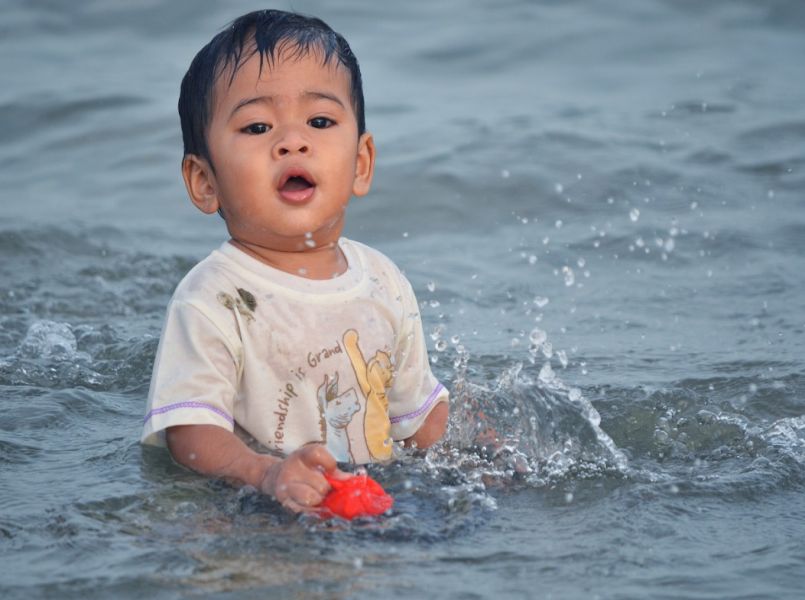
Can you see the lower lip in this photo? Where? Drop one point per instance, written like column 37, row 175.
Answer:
column 297, row 196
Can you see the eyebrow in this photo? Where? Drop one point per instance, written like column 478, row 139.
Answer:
column 308, row 95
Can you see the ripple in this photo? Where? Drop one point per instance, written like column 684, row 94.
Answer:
column 686, row 108
column 24, row 115
column 16, row 452
column 773, row 134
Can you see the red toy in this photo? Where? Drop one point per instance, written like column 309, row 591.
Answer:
column 358, row 496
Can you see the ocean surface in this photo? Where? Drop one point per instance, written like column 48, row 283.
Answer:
column 601, row 207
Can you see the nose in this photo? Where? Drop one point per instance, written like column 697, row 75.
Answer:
column 292, row 141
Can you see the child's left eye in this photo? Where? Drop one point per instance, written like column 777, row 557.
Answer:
column 321, row 122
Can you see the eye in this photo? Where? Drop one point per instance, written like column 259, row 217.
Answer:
column 256, row 129
column 321, row 122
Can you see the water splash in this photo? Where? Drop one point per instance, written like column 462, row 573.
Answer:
column 526, row 428
column 57, row 354
column 50, row 340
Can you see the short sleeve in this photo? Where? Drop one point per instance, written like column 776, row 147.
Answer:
column 415, row 390
column 195, row 375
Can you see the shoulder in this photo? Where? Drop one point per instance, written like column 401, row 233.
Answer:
column 203, row 280
column 375, row 261
column 387, row 277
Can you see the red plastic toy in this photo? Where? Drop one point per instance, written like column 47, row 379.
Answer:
column 358, row 496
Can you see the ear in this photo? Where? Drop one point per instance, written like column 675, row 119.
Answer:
column 199, row 179
column 364, row 165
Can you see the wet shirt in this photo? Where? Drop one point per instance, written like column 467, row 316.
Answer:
column 292, row 360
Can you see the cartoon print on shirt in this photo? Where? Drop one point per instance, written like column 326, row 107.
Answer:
column 374, row 378
column 245, row 303
column 337, row 411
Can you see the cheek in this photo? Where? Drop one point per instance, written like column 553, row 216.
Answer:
column 240, row 170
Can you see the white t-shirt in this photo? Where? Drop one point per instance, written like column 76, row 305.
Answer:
column 293, row 360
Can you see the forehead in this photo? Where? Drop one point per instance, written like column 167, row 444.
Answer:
column 291, row 69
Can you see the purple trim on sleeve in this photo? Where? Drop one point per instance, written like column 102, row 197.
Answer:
column 422, row 409
column 178, row 405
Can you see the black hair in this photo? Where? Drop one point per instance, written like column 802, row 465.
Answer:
column 266, row 32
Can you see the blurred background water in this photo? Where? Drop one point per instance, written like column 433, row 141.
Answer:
column 600, row 206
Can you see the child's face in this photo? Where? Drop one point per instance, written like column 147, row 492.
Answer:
column 286, row 153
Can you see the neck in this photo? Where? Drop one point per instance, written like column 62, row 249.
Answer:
column 322, row 262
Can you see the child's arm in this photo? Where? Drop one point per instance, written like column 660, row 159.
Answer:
column 432, row 428
column 296, row 481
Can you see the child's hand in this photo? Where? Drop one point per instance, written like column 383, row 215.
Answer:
column 298, row 481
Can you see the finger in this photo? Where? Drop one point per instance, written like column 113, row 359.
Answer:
column 318, row 483
column 294, row 506
column 317, row 455
column 305, row 494
column 339, row 474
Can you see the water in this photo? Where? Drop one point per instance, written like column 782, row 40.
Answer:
column 600, row 207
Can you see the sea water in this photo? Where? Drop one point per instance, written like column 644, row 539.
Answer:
column 600, row 207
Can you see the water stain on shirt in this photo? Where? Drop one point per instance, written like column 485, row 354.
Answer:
column 244, row 303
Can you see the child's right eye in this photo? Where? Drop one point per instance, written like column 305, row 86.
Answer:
column 255, row 129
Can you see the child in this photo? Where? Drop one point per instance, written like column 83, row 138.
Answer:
column 309, row 343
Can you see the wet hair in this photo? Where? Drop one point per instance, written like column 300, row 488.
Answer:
column 269, row 33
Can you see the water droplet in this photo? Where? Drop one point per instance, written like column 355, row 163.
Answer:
column 569, row 276
column 405, row 234
column 532, row 260
column 455, row 340
column 546, row 374
column 537, row 336
column 568, row 497
column 558, row 224
column 431, row 286
column 634, row 214
column 434, row 303
column 562, row 356
column 574, row 394
column 753, row 388
column 310, row 243
column 541, row 301
column 559, row 188
column 308, row 235
column 505, row 174
column 302, row 271
column 547, row 349
column 357, row 562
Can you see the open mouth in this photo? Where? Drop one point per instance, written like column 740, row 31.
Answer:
column 296, row 185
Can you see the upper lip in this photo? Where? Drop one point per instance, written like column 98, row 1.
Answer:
column 295, row 172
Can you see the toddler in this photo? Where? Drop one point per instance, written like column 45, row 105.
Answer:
column 288, row 334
